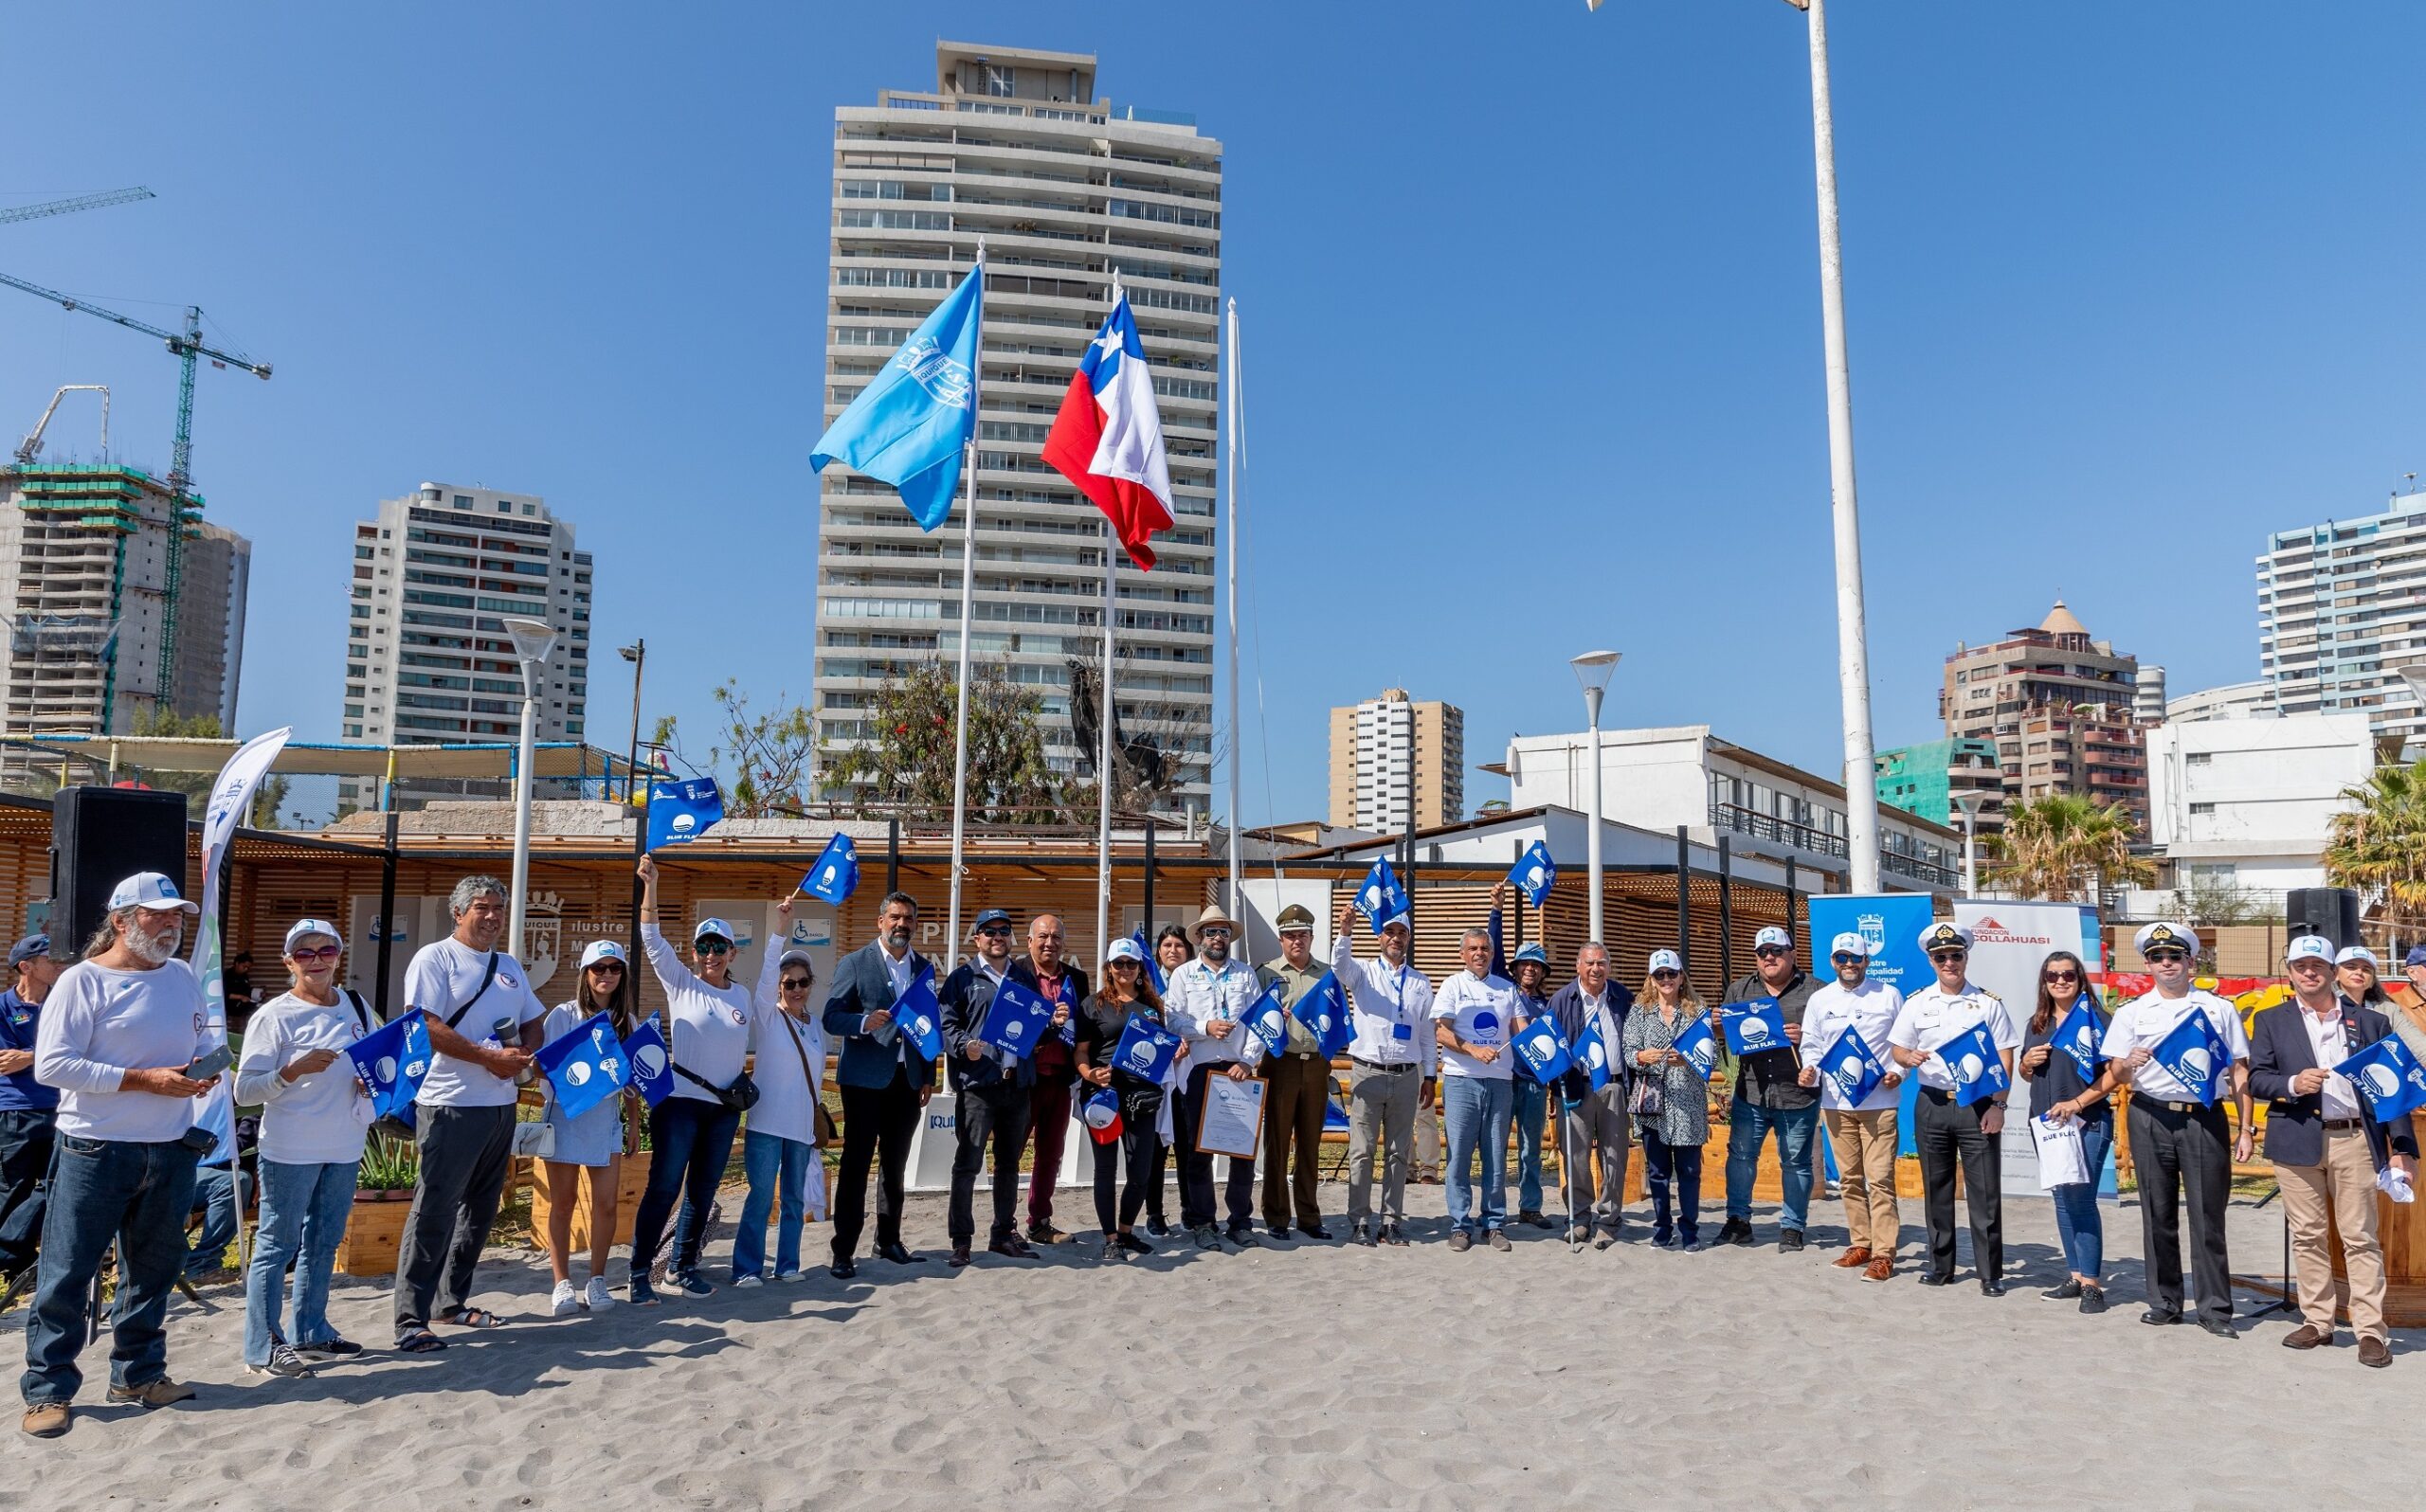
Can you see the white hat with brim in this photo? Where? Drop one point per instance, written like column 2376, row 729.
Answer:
column 151, row 892
column 2165, row 933
column 1849, row 943
column 2308, row 947
column 304, row 928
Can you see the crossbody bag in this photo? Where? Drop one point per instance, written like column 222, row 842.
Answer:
column 826, row 1133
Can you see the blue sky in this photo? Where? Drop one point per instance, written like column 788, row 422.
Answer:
column 1533, row 334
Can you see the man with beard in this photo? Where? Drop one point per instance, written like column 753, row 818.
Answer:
column 990, row 1090
column 1208, row 1001
column 884, row 1080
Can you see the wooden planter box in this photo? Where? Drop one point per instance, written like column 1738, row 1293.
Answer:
column 632, row 1181
column 373, row 1233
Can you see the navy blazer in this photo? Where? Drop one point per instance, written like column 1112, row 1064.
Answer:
column 965, row 997
column 1566, row 1006
column 2279, row 1050
column 862, row 986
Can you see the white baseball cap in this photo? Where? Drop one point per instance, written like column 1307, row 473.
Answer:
column 302, row 927
column 1772, row 937
column 712, row 927
column 2350, row 953
column 150, row 889
column 1125, row 949
column 601, row 950
column 2308, row 947
column 1849, row 943
column 1102, row 1110
column 1666, row 960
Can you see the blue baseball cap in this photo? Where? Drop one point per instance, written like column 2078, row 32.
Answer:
column 988, row 916
column 2416, row 956
column 1532, row 954
column 28, row 948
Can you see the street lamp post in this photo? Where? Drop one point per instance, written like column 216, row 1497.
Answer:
column 1969, row 801
column 531, row 641
column 637, row 654
column 1592, row 670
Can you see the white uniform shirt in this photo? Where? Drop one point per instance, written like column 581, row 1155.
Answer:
column 1932, row 1016
column 315, row 1120
column 443, row 976
column 1481, row 1011
column 1390, row 1008
column 711, row 1024
column 99, row 1024
column 2146, row 1021
column 1198, row 994
column 1869, row 1011
column 2331, row 1047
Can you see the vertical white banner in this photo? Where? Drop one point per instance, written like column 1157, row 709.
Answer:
column 231, row 795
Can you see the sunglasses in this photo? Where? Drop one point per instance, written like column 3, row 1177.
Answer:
column 795, row 984
column 1846, row 958
column 1664, row 976
column 1124, row 963
column 713, row 946
column 323, row 953
column 999, row 931
column 2169, row 955
column 615, row 966
column 1947, row 955
column 2062, row 974
column 1213, row 931
column 1764, row 952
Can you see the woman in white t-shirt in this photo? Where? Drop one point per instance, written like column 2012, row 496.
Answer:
column 596, row 1139
column 313, row 1119
column 787, row 1046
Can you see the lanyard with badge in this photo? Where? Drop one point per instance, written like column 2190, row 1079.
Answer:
column 1401, row 1030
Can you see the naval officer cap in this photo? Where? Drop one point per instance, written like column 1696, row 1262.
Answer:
column 1944, row 936
column 2163, row 935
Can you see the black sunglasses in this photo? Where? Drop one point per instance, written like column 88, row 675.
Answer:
column 1003, row 929
column 1771, row 950
column 1842, row 957
column 2169, row 955
column 795, row 984
column 1947, row 955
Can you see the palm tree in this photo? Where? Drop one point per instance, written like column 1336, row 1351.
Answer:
column 2066, row 845
column 2378, row 844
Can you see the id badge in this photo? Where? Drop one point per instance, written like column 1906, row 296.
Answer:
column 1402, row 1030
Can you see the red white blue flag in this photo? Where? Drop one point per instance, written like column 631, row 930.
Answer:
column 1108, row 438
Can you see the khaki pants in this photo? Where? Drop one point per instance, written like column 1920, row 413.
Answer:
column 2318, row 1199
column 1865, row 1145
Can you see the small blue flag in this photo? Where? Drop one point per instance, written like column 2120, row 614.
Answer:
column 1324, row 1012
column 1853, row 1066
column 652, row 1064
column 1153, row 967
column 1144, row 1050
column 1334, row 1117
column 1754, row 1025
column 1533, row 872
column 1266, row 1023
column 2076, row 1036
column 1016, row 1020
column 1592, row 1053
column 907, row 427
column 835, row 874
column 392, row 1060
column 919, row 1017
column 1543, row 1049
column 585, row 1066
column 2391, row 1077
column 1972, row 1061
column 1698, row 1048
column 1382, row 898
column 682, row 809
column 2194, row 1055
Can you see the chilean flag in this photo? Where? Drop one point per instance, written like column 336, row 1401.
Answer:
column 1108, row 438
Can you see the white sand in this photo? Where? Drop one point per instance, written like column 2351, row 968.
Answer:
column 1312, row 1376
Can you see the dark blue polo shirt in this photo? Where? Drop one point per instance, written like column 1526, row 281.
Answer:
column 19, row 1091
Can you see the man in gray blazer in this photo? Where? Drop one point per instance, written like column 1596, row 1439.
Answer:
column 885, row 1081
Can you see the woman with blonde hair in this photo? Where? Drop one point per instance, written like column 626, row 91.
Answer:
column 1670, row 1100
column 594, row 1141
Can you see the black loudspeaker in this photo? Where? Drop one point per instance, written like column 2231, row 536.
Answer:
column 2332, row 912
column 98, row 838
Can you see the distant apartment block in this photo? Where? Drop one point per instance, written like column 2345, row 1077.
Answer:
column 2341, row 605
column 1393, row 759
column 2060, row 707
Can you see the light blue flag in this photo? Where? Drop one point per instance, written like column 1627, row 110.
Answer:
column 1533, row 872
column 908, row 426
column 835, row 874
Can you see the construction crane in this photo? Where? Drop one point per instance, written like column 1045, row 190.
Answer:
column 186, row 346
column 31, row 446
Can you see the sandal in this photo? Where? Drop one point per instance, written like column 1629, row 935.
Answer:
column 418, row 1342
column 471, row 1317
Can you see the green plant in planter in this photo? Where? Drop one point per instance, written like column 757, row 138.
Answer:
column 388, row 1165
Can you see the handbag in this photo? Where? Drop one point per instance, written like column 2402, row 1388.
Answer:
column 741, row 1096
column 1648, row 1097
column 825, row 1133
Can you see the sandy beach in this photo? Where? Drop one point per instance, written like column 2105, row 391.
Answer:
column 1299, row 1375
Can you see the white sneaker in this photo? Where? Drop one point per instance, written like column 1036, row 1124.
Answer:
column 789, row 1276
column 745, row 1281
column 565, row 1299
column 597, row 1298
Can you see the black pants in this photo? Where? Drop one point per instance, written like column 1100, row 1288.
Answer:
column 466, row 1154
column 995, row 1116
column 1138, row 1152
column 1154, row 1182
column 878, row 1123
column 1947, row 1132
column 693, row 1143
column 24, row 1173
column 1196, row 1167
column 2184, row 1157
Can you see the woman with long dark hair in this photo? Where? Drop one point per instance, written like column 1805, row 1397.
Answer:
column 1172, row 951
column 1127, row 993
column 593, row 1142
column 2054, row 1076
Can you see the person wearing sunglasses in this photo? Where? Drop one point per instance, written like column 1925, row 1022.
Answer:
column 1670, row 1099
column 692, row 1131
column 1862, row 1131
column 315, row 1118
column 779, row 1148
column 990, row 1090
column 1128, row 993
column 1171, row 951
column 594, row 1141
column 1947, row 1130
column 1771, row 1097
column 1208, row 999
column 2054, row 1076
column 2180, row 1147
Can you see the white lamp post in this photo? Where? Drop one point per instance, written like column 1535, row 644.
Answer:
column 531, row 641
column 1592, row 670
column 1969, row 802
column 2413, row 674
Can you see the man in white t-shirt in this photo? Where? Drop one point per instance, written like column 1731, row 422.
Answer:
column 1473, row 1023
column 483, row 1021
column 1862, row 1132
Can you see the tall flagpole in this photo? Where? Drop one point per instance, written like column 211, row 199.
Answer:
column 967, row 606
column 1103, row 738
column 1230, row 470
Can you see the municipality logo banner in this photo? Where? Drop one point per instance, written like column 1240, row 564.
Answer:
column 1144, row 1050
column 1853, row 1067
column 392, row 1060
column 1016, row 1020
column 2391, row 1077
column 1972, row 1063
column 585, row 1066
column 2194, row 1055
column 651, row 1063
column 1754, row 1025
column 920, row 1017
column 1534, row 872
column 1544, row 1049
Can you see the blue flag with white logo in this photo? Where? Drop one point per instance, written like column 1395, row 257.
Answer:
column 2391, row 1077
column 1381, row 898
column 835, row 874
column 681, row 810
column 2194, row 1055
column 392, row 1060
column 1324, row 1012
column 907, row 426
column 1853, row 1066
column 1153, row 967
column 1533, row 872
column 1753, row 1025
column 919, row 1017
column 585, row 1066
column 2076, row 1036
column 1699, row 1047
column 1266, row 1023
column 1543, row 1049
column 1592, row 1053
column 652, row 1064
column 1016, row 1020
column 1144, row 1050
column 1973, row 1062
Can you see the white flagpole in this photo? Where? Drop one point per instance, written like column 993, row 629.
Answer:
column 1103, row 738
column 1230, row 470
column 968, row 607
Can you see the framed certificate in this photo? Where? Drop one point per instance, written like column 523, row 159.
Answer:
column 1231, row 1121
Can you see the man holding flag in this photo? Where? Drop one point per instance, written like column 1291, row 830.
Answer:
column 1860, row 1114
column 1591, row 1014
column 1948, row 1125
column 1300, row 1089
column 990, row 1090
column 1771, row 1097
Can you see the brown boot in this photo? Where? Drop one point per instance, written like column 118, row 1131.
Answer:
column 1857, row 1256
column 1881, row 1268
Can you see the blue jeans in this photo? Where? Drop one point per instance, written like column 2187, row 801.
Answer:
column 764, row 1158
column 303, row 1215
column 2077, row 1217
column 1476, row 1110
column 101, row 1190
column 1533, row 1101
column 693, row 1139
column 1748, row 1125
column 214, row 1192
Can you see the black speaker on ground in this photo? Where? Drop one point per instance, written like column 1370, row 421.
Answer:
column 98, row 838
column 2332, row 912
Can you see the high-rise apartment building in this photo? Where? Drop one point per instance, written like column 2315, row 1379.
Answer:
column 1923, row 780
column 2058, row 706
column 84, row 579
column 2340, row 606
column 1014, row 148
column 427, row 659
column 1390, row 756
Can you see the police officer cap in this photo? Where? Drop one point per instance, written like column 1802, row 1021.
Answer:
column 1946, row 937
column 1296, row 916
column 2162, row 934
